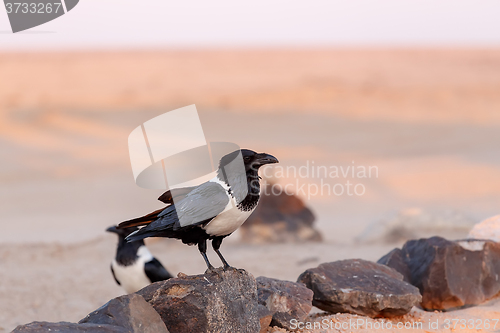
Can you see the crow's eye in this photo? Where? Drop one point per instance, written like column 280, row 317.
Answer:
column 246, row 158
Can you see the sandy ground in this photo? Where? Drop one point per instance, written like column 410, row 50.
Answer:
column 427, row 119
column 465, row 320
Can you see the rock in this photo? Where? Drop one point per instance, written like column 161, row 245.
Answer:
column 279, row 218
column 131, row 312
column 360, row 287
column 286, row 300
column 64, row 327
column 221, row 301
column 395, row 260
column 125, row 314
column 450, row 274
column 265, row 317
column 415, row 223
column 487, row 229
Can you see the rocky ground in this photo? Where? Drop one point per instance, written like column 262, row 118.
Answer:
column 37, row 293
column 65, row 282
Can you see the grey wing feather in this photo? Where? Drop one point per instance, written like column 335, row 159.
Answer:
column 203, row 203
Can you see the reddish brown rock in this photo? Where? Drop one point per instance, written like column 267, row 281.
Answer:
column 285, row 299
column 221, row 301
column 265, row 317
column 395, row 260
column 450, row 274
column 360, row 287
column 280, row 218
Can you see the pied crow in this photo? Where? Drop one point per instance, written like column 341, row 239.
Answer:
column 210, row 211
column 134, row 267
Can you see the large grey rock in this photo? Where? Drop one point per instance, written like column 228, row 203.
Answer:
column 64, row 327
column 449, row 274
column 131, row 312
column 280, row 218
column 221, row 301
column 286, row 300
column 360, row 287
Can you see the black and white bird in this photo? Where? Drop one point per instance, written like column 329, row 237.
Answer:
column 210, row 211
column 134, row 267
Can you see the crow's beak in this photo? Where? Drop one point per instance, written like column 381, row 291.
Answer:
column 112, row 229
column 264, row 158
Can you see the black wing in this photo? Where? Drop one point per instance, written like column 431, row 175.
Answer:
column 114, row 276
column 155, row 271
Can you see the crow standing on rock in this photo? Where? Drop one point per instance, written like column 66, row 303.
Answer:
column 210, row 211
column 134, row 267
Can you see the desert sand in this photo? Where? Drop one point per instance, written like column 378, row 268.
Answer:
column 427, row 119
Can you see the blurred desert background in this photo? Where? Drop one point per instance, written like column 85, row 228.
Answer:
column 410, row 88
column 427, row 118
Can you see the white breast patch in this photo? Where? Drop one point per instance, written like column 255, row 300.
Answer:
column 133, row 278
column 228, row 221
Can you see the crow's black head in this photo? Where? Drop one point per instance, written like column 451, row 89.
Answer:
column 122, row 233
column 253, row 160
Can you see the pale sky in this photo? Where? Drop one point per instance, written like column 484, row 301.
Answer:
column 98, row 24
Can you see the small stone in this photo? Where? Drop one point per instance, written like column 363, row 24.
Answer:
column 65, row 327
column 131, row 312
column 360, row 287
column 285, row 299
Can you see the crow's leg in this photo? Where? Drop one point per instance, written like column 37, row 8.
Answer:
column 217, row 241
column 202, row 246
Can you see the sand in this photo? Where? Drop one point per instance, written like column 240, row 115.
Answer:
column 427, row 119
